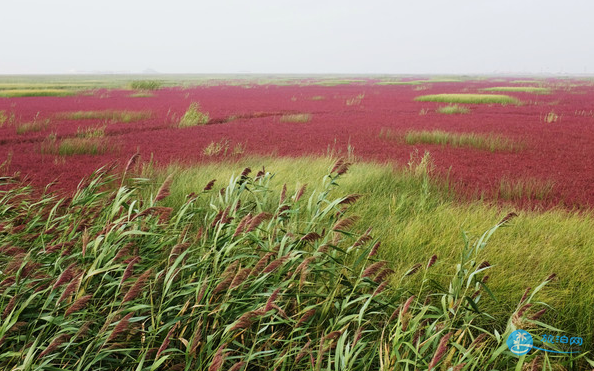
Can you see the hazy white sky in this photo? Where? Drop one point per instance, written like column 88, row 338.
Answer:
column 305, row 36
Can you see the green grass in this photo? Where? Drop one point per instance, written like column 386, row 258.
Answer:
column 296, row 117
column 521, row 89
column 223, row 148
column 141, row 94
column 32, row 126
column 416, row 218
column 84, row 146
column 90, row 141
column 525, row 188
column 469, row 98
column 146, row 84
column 14, row 93
column 112, row 115
column 337, row 82
column 356, row 100
column 251, row 276
column 550, row 117
column 453, row 109
column 415, row 82
column 489, row 142
column 193, row 116
column 90, row 132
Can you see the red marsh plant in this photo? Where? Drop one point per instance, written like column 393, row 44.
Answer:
column 240, row 279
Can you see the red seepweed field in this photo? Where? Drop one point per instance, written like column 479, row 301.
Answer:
column 346, row 247
column 549, row 163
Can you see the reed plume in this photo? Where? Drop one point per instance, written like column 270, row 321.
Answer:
column 431, row 261
column 66, row 276
column 255, row 221
column 78, row 305
column 306, row 316
column 72, row 286
column 129, row 269
column 345, row 223
column 137, row 286
column 218, row 359
column 300, row 192
column 209, row 185
column 164, row 190
column 120, row 327
column 166, row 341
column 372, row 270
column 60, row 339
column 441, row 349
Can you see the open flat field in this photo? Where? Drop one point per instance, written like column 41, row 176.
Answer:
column 355, row 238
column 545, row 157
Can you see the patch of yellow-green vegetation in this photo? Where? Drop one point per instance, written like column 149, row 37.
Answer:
column 356, row 100
column 84, row 143
column 335, row 82
column 469, row 98
column 194, row 116
column 318, row 97
column 296, row 117
column 419, row 82
column 146, row 84
column 525, row 82
column 141, row 94
column 584, row 113
column 3, row 118
column 35, row 125
column 489, row 142
column 16, row 93
column 38, row 83
column 520, row 89
column 550, row 117
column 111, row 115
column 90, row 132
column 223, row 148
column 84, row 146
column 525, row 188
column 413, row 82
column 453, row 109
column 415, row 217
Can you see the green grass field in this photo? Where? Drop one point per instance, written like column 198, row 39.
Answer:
column 521, row 89
column 15, row 93
column 112, row 115
column 469, row 98
column 453, row 109
column 167, row 270
column 416, row 218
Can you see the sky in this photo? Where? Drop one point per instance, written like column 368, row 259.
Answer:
column 305, row 36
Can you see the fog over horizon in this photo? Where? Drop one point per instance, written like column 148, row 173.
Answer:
column 306, row 37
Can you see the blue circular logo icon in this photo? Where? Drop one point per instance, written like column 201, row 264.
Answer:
column 519, row 342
